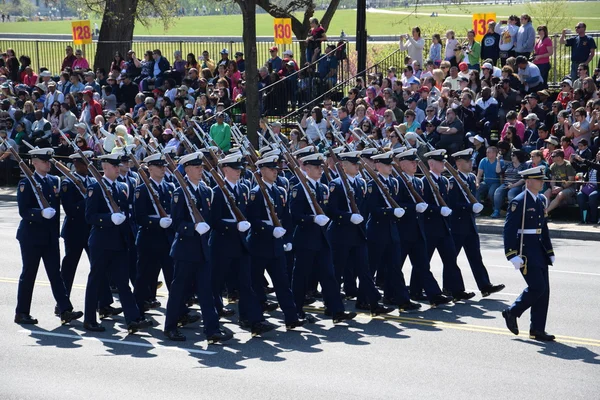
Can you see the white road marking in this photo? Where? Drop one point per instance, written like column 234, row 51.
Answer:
column 126, row 343
column 553, row 270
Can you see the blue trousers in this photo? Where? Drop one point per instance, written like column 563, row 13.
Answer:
column 471, row 244
column 387, row 257
column 451, row 275
column 351, row 262
column 308, row 262
column 503, row 192
column 151, row 258
column 486, row 191
column 421, row 277
column 113, row 263
column 31, row 256
column 192, row 273
column 537, row 294
column 276, row 267
column 590, row 204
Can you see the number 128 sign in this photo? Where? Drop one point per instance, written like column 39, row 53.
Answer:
column 480, row 24
column 283, row 30
column 82, row 32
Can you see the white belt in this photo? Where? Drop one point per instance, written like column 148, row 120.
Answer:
column 267, row 222
column 529, row 231
column 229, row 220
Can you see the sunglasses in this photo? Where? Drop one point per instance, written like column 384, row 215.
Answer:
column 429, row 111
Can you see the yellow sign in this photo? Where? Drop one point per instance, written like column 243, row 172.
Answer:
column 283, row 30
column 480, row 24
column 82, row 32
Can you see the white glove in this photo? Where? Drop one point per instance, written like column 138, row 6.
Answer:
column 202, row 228
column 48, row 213
column 243, row 226
column 399, row 212
column 287, row 247
column 165, row 222
column 421, row 207
column 321, row 220
column 117, row 218
column 356, row 219
column 477, row 207
column 552, row 259
column 278, row 232
column 445, row 211
column 517, row 262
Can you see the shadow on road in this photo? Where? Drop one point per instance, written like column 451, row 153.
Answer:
column 564, row 351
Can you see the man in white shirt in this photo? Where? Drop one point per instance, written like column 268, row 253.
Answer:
column 52, row 96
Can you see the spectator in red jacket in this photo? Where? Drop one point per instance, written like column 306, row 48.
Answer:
column 90, row 108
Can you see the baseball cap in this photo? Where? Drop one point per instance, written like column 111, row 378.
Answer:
column 274, row 48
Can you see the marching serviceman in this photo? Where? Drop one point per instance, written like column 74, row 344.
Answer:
column 229, row 253
column 189, row 211
column 311, row 245
column 527, row 246
column 437, row 228
column 347, row 234
column 269, row 243
column 155, row 234
column 464, row 228
column 412, row 230
column 39, row 207
column 130, row 178
column 107, row 210
column 76, row 231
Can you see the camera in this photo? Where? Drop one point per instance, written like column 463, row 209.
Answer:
column 523, row 102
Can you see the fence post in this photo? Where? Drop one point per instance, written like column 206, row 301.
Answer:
column 37, row 53
column 554, row 69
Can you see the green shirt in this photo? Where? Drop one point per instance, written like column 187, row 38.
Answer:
column 475, row 53
column 221, row 134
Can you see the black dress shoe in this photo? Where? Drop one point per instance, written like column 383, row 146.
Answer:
column 378, row 309
column 486, row 291
column 68, row 316
column 310, row 319
column 541, row 336
column 109, row 311
column 175, row 335
column 226, row 312
column 295, row 324
column 93, row 327
column 261, row 328
column 410, row 306
column 57, row 311
column 191, row 301
column 25, row 319
column 154, row 304
column 388, row 301
column 221, row 336
column 137, row 325
column 462, row 295
column 268, row 306
column 362, row 306
column 440, row 299
column 511, row 321
column 343, row 316
column 187, row 319
column 244, row 324
column 418, row 296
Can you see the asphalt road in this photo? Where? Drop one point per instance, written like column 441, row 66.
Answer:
column 460, row 351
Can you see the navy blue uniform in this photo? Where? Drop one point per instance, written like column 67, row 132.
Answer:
column 537, row 250
column 38, row 238
column 414, row 244
column 437, row 231
column 109, row 245
column 349, row 241
column 131, row 182
column 153, row 243
column 464, row 228
column 312, row 249
column 267, row 251
column 192, row 265
column 229, row 252
column 384, row 241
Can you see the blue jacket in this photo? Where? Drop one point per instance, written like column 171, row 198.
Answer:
column 149, row 233
column 224, row 236
column 382, row 223
column 410, row 226
column 188, row 244
column 436, row 225
column 33, row 228
column 104, row 233
column 341, row 230
column 525, row 40
column 75, row 229
column 307, row 234
column 260, row 237
column 462, row 218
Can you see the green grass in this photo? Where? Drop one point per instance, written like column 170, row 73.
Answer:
column 377, row 24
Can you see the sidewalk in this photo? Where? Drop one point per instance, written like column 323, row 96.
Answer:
column 558, row 229
column 8, row 193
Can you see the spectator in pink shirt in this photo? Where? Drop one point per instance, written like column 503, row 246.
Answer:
column 511, row 118
column 565, row 143
column 30, row 78
column 80, row 62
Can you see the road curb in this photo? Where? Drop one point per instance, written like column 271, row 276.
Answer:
column 554, row 233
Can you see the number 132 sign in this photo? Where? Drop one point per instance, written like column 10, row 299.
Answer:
column 283, row 30
column 480, row 24
column 82, row 32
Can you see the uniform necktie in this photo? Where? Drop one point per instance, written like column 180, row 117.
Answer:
column 114, row 188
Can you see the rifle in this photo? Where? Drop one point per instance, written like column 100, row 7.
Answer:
column 153, row 195
column 266, row 196
column 384, row 189
column 37, row 188
column 189, row 197
column 106, row 192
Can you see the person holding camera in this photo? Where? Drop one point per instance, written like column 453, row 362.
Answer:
column 473, row 50
column 413, row 45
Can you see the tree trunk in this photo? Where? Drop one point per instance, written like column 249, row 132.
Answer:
column 248, row 8
column 116, row 32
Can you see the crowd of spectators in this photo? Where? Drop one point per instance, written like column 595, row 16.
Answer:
column 491, row 95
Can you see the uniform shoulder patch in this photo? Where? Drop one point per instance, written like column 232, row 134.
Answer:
column 175, row 197
column 65, row 188
column 90, row 192
column 370, row 188
column 331, row 187
column 22, row 187
column 294, row 193
column 252, row 196
column 513, row 206
column 137, row 194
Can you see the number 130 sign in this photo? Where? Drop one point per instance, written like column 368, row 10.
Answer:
column 82, row 32
column 283, row 30
column 480, row 24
